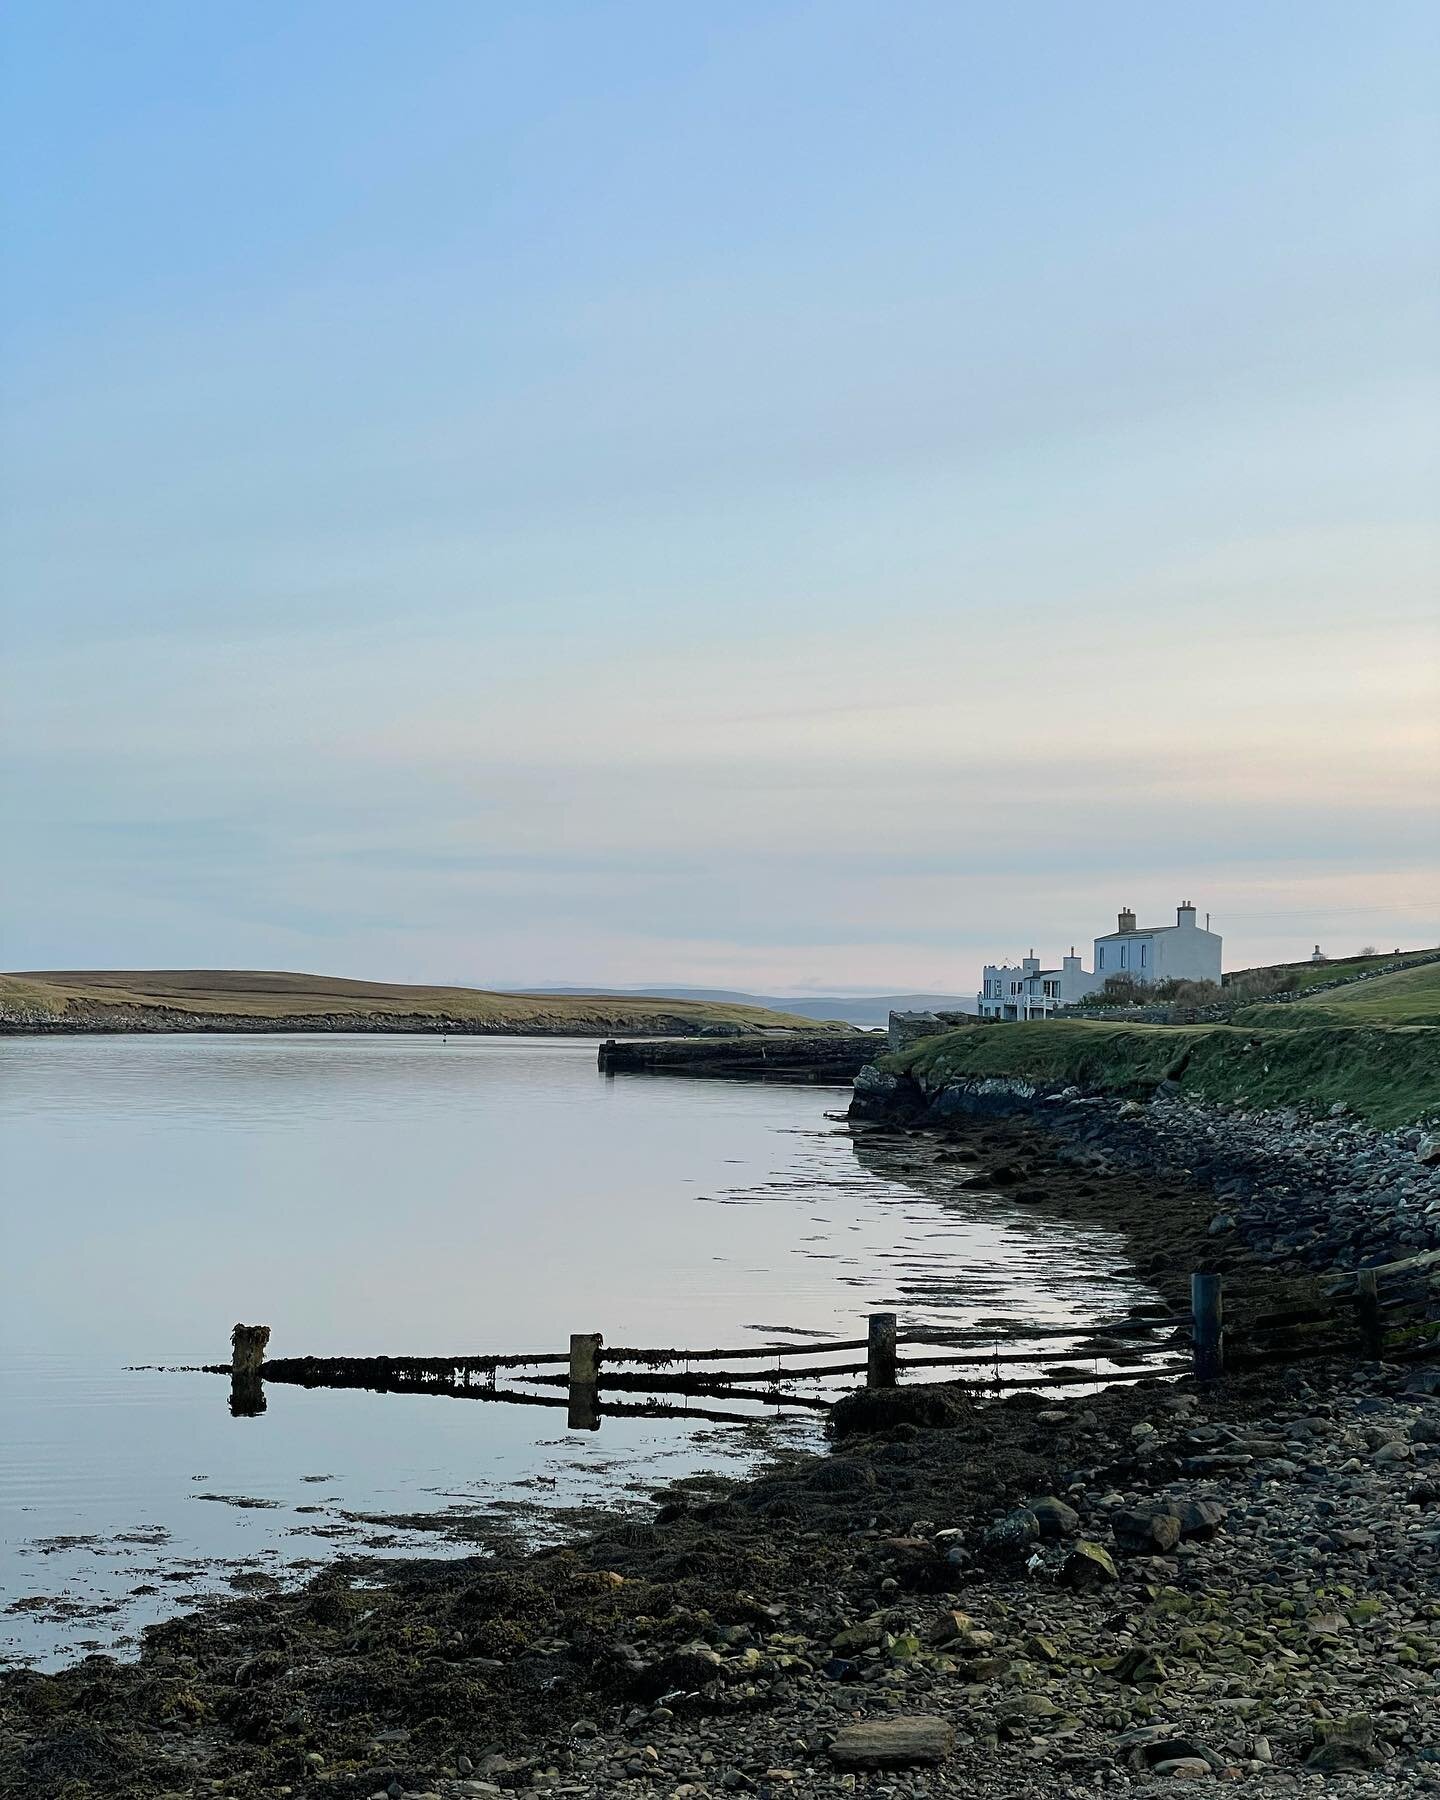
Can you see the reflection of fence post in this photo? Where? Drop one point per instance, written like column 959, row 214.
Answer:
column 1367, row 1312
column 880, row 1370
column 247, row 1358
column 1207, row 1313
column 584, row 1414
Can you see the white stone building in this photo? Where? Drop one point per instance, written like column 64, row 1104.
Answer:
column 1026, row 991
column 1178, row 952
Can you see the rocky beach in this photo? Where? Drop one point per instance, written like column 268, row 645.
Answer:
column 1045, row 1594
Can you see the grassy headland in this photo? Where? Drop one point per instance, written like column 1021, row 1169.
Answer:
column 245, row 999
column 1389, row 1075
column 1301, row 977
column 1406, row 997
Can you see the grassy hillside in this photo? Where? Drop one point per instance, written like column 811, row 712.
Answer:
column 1406, row 997
column 1299, row 978
column 1390, row 1076
column 106, row 996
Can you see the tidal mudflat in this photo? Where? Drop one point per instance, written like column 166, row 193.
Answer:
column 375, row 1195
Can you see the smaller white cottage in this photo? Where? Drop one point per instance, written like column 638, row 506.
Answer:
column 1026, row 991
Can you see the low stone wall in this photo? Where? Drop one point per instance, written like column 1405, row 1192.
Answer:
column 907, row 1028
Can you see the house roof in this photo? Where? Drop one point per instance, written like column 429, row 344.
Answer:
column 1151, row 931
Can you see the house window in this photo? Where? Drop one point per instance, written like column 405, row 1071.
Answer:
column 1144, row 955
column 1052, row 990
column 1100, row 961
column 1124, row 956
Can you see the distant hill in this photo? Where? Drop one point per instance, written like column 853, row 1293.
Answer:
column 259, row 1000
column 865, row 1010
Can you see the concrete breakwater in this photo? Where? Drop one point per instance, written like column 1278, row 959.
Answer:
column 790, row 1057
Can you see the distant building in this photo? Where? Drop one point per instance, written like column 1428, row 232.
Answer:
column 1178, row 952
column 1319, row 955
column 1026, row 991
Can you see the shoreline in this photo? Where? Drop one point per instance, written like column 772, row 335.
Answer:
column 252, row 1000
column 160, row 1022
column 627, row 1657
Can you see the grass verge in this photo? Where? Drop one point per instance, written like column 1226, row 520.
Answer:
column 1406, row 997
column 1388, row 1076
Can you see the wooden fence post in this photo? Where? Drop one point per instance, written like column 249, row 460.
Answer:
column 247, row 1358
column 880, row 1369
column 1207, row 1312
column 584, row 1397
column 1367, row 1312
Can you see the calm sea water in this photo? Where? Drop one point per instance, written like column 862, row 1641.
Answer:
column 403, row 1195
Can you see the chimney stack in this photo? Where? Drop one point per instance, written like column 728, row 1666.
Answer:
column 1127, row 919
column 1185, row 913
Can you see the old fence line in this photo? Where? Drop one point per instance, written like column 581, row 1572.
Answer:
column 588, row 1367
column 1371, row 1310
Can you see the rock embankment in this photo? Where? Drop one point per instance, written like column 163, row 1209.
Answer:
column 1291, row 1191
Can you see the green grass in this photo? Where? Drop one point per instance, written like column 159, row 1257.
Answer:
column 79, row 994
column 1390, row 1076
column 1299, row 978
column 1408, row 997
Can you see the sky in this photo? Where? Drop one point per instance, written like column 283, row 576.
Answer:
column 799, row 495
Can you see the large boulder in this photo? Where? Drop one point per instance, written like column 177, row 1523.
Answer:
column 1055, row 1518
column 879, row 1094
column 1199, row 1518
column 1140, row 1531
column 1088, row 1566
column 1345, row 1744
column 898, row 1743
column 1011, row 1538
column 941, row 1405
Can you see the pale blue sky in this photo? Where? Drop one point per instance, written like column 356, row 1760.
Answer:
column 762, row 494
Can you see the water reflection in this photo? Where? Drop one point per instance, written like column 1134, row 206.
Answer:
column 372, row 1196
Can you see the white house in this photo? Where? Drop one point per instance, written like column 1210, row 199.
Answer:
column 1178, row 952
column 1029, row 992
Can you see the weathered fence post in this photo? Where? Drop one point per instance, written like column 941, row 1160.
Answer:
column 247, row 1358
column 1207, row 1312
column 1367, row 1312
column 880, row 1371
column 584, row 1409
